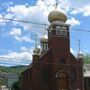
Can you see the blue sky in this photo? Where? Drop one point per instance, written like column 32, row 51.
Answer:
column 17, row 39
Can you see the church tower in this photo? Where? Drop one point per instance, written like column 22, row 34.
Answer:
column 58, row 34
column 53, row 66
column 67, row 70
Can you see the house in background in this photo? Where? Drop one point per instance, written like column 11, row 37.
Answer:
column 11, row 78
column 87, row 76
column 53, row 66
column 4, row 87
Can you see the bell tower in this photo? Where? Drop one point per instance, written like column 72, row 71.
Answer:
column 58, row 31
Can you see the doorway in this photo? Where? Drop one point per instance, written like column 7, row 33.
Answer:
column 62, row 81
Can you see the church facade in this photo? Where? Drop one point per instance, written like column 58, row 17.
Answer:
column 53, row 66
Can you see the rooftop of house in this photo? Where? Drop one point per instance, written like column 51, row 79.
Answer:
column 87, row 70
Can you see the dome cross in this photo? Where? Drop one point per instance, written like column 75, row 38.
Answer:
column 57, row 1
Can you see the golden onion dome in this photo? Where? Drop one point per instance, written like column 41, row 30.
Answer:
column 36, row 51
column 57, row 16
column 80, row 54
column 44, row 39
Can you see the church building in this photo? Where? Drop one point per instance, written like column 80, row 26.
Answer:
column 53, row 66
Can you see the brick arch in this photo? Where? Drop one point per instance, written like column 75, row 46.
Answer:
column 62, row 80
column 62, row 70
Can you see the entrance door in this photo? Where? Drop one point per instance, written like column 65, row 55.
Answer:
column 62, row 81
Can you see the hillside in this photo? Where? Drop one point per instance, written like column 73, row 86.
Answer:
column 4, row 71
column 13, row 69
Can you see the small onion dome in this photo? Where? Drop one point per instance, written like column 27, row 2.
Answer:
column 36, row 51
column 80, row 55
column 57, row 16
column 44, row 39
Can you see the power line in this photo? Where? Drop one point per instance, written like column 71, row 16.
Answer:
column 78, row 29
column 43, row 24
column 23, row 21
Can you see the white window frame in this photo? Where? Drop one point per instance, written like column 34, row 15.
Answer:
column 58, row 30
column 61, row 31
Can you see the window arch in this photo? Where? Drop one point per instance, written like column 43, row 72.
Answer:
column 64, row 31
column 62, row 61
column 45, row 74
column 61, row 30
column 73, row 75
column 58, row 30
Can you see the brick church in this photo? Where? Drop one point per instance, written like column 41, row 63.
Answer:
column 53, row 66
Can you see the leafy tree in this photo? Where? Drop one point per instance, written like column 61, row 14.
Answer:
column 87, row 58
column 16, row 85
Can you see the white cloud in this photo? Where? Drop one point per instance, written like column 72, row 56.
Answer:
column 15, row 31
column 19, row 10
column 23, row 38
column 30, row 14
column 73, row 22
column 20, row 56
column 85, row 11
column 38, row 14
column 73, row 52
column 24, row 48
column 75, row 10
column 7, row 4
column 17, row 57
column 26, row 39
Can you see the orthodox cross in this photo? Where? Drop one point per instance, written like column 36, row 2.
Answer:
column 36, row 41
column 57, row 1
column 79, row 47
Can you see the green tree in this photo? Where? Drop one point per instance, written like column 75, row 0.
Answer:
column 87, row 58
column 16, row 85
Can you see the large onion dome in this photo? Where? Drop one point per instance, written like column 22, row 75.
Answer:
column 57, row 16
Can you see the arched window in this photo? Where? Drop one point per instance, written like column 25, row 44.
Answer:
column 64, row 31
column 73, row 75
column 44, row 46
column 61, row 31
column 45, row 74
column 62, row 61
column 84, row 69
column 63, row 75
column 58, row 30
